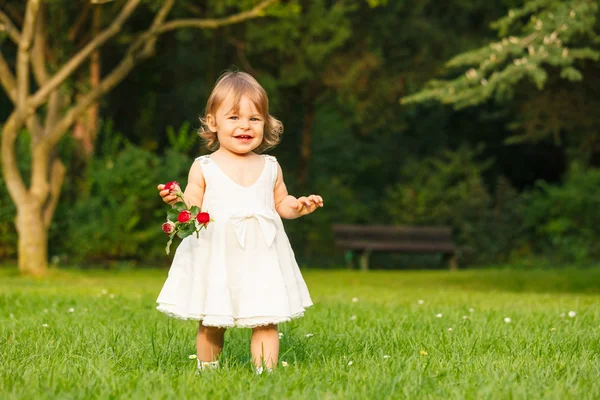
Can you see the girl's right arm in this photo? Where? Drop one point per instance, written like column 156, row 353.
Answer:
column 194, row 191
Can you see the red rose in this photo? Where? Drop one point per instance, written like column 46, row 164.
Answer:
column 173, row 187
column 203, row 218
column 168, row 227
column 184, row 216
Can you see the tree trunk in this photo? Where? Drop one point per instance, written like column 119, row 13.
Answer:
column 306, row 141
column 33, row 239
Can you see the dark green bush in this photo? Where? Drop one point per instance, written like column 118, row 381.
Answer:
column 565, row 219
column 119, row 213
column 448, row 190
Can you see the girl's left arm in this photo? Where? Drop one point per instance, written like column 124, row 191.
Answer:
column 289, row 207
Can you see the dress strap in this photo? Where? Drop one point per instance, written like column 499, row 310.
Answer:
column 203, row 159
column 272, row 165
column 205, row 162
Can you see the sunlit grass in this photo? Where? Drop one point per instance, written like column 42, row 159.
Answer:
column 471, row 334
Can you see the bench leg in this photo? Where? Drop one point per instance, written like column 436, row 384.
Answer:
column 452, row 263
column 349, row 257
column 364, row 260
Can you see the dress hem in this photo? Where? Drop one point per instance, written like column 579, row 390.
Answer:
column 218, row 321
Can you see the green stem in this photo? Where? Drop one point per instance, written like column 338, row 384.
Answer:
column 180, row 195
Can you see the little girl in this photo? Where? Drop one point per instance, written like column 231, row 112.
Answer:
column 240, row 271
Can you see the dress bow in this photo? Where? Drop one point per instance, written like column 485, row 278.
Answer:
column 266, row 222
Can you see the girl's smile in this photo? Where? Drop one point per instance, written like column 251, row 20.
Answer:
column 244, row 138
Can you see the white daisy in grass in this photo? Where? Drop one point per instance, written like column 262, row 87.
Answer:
column 350, row 363
column 46, row 310
column 71, row 310
column 421, row 302
column 465, row 317
column 572, row 314
column 284, row 364
column 44, row 325
column 112, row 295
column 507, row 320
column 553, row 329
column 309, row 335
column 355, row 299
column 438, row 315
column 280, row 335
column 11, row 315
column 449, row 329
column 385, row 357
column 471, row 310
column 353, row 318
column 192, row 356
column 423, row 352
column 104, row 291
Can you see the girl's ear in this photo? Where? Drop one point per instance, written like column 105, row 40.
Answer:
column 211, row 122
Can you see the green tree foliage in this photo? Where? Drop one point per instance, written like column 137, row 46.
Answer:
column 535, row 39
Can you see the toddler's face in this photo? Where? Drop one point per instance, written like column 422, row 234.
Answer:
column 239, row 131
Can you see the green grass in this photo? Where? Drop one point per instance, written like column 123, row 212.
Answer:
column 119, row 346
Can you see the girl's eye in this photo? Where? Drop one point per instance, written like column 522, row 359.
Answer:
column 255, row 119
column 233, row 117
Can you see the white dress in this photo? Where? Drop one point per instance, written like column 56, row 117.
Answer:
column 241, row 271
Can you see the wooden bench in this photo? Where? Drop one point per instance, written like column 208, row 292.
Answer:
column 399, row 239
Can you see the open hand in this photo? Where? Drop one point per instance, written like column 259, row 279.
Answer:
column 167, row 196
column 306, row 205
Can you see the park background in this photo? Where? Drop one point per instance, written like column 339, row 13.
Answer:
column 513, row 170
column 480, row 115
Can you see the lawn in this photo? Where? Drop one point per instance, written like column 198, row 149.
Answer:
column 494, row 334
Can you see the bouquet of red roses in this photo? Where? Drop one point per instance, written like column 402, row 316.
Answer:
column 181, row 219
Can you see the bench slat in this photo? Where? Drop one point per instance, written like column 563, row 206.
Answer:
column 392, row 233
column 405, row 246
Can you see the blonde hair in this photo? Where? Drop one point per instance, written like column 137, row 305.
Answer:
column 240, row 84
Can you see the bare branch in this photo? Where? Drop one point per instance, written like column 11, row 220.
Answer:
column 38, row 52
column 10, row 28
column 10, row 170
column 241, row 53
column 55, row 104
column 41, row 95
column 79, row 23
column 195, row 9
column 158, row 20
column 7, row 79
column 213, row 23
column 57, row 176
column 138, row 51
column 13, row 11
column 23, row 56
column 109, row 82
